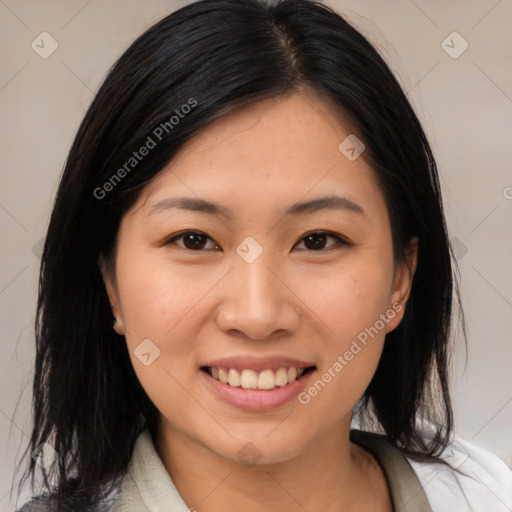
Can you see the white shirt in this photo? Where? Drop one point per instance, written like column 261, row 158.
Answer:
column 485, row 487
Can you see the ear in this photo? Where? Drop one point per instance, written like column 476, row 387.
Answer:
column 112, row 293
column 402, row 283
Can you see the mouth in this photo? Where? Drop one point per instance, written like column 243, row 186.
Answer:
column 261, row 380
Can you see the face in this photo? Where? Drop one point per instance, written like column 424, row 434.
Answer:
column 260, row 288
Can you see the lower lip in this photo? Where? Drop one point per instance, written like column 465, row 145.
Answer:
column 253, row 399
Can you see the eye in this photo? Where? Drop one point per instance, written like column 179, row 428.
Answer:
column 192, row 240
column 316, row 240
column 197, row 241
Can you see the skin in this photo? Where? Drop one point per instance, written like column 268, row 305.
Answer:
column 199, row 305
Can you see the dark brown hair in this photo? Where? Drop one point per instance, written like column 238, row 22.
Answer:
column 87, row 401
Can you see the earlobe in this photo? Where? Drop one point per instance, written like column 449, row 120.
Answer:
column 118, row 325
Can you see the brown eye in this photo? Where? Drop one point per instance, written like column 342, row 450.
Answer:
column 316, row 241
column 192, row 240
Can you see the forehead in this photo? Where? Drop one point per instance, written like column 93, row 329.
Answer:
column 264, row 134
column 278, row 150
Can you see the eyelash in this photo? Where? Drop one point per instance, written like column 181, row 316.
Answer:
column 340, row 241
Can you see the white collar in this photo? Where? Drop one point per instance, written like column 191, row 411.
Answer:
column 147, row 487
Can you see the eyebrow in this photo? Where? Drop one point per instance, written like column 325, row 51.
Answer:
column 204, row 206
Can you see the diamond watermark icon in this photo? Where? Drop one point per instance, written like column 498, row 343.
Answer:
column 456, row 454
column 44, row 45
column 249, row 249
column 249, row 454
column 458, row 247
column 454, row 45
column 44, row 455
column 147, row 352
column 37, row 249
column 352, row 147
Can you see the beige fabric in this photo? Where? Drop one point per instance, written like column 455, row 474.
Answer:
column 147, row 486
column 406, row 490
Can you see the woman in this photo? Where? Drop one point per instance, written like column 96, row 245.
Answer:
column 247, row 254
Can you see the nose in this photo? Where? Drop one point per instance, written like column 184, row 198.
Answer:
column 257, row 303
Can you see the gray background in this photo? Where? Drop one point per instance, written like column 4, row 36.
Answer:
column 465, row 104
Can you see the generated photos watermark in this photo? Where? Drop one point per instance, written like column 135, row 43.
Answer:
column 151, row 142
column 355, row 348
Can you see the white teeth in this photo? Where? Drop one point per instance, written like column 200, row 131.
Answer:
column 233, row 378
column 250, row 379
column 223, row 376
column 266, row 380
column 281, row 377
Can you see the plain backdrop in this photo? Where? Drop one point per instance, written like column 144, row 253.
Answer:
column 453, row 59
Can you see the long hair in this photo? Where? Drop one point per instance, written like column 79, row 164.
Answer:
column 215, row 56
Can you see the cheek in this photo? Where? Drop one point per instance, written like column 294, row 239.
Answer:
column 165, row 305
column 159, row 298
column 347, row 300
column 353, row 305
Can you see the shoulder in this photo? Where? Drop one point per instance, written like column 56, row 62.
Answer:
column 476, row 480
column 37, row 504
column 45, row 503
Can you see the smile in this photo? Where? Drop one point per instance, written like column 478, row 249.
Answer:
column 250, row 379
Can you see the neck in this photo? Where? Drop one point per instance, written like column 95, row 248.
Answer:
column 332, row 475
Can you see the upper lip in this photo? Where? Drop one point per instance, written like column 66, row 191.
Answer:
column 258, row 363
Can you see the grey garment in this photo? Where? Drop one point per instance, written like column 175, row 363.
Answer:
column 44, row 504
column 406, row 490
